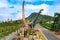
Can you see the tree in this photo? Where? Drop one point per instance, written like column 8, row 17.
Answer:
column 56, row 24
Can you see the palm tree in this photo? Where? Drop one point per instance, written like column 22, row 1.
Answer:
column 56, row 23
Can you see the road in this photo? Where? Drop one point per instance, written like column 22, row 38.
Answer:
column 48, row 34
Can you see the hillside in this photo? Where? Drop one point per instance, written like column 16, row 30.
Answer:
column 41, row 17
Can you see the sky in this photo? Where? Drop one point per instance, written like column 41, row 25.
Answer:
column 12, row 9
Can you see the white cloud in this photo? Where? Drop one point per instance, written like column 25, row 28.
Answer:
column 57, row 8
column 19, row 16
column 6, row 11
column 13, row 13
column 3, row 3
column 4, row 17
column 48, row 9
column 36, row 8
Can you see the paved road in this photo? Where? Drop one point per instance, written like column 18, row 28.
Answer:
column 48, row 34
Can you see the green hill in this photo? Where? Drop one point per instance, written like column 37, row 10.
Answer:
column 41, row 17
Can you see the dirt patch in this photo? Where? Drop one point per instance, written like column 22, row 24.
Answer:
column 57, row 34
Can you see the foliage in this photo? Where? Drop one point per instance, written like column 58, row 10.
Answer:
column 56, row 24
column 45, row 25
column 52, row 26
column 7, row 28
column 14, row 39
column 41, row 36
column 30, row 31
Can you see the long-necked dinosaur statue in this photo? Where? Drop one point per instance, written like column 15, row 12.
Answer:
column 32, row 24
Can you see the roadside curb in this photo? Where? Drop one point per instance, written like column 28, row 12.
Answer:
column 44, row 35
column 38, row 27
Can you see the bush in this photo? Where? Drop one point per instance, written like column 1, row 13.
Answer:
column 55, row 26
column 45, row 25
column 31, row 31
column 14, row 39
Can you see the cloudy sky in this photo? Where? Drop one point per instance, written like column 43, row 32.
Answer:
column 13, row 8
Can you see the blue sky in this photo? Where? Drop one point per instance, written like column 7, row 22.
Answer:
column 13, row 8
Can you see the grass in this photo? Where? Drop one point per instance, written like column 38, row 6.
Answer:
column 8, row 29
column 41, row 36
column 14, row 39
column 31, row 31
